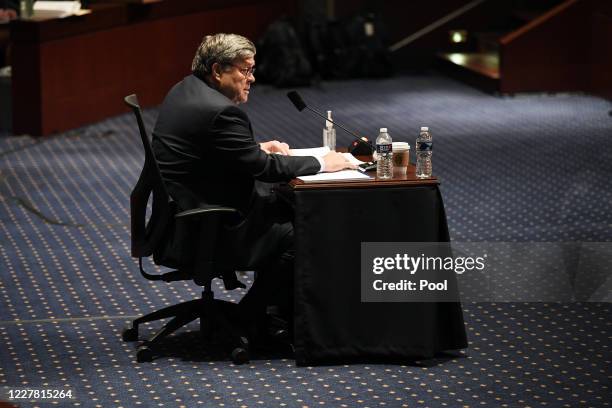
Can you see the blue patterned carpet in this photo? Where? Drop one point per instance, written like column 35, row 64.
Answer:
column 528, row 168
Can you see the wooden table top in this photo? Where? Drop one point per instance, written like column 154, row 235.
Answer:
column 409, row 179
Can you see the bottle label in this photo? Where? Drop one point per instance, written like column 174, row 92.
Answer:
column 424, row 146
column 384, row 148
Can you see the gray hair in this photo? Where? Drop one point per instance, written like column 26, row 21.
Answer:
column 222, row 49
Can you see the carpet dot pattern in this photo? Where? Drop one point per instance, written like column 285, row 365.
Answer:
column 513, row 169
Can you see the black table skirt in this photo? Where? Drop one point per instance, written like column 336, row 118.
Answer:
column 332, row 325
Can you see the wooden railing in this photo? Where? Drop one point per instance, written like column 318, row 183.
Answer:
column 550, row 53
column 435, row 25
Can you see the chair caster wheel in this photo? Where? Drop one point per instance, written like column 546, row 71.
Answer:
column 240, row 356
column 144, row 354
column 130, row 334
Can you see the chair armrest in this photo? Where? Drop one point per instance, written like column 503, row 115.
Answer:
column 207, row 210
column 205, row 267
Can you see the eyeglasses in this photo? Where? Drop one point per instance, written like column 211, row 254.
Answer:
column 246, row 71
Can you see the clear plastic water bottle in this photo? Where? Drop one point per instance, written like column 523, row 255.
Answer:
column 384, row 155
column 424, row 149
column 329, row 133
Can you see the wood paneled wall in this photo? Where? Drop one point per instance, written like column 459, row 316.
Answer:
column 72, row 72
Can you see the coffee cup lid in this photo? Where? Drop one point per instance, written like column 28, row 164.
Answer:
column 400, row 146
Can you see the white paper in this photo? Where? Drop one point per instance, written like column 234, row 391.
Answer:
column 315, row 151
column 56, row 8
column 322, row 151
column 336, row 176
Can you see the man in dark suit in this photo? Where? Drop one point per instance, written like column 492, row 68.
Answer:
column 207, row 155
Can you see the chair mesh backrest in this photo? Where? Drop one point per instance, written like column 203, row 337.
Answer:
column 147, row 235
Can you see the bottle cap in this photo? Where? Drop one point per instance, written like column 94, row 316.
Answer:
column 328, row 124
column 383, row 130
column 424, row 129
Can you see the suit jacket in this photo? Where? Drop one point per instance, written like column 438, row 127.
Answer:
column 206, row 152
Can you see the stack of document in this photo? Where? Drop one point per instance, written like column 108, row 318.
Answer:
column 342, row 175
column 336, row 176
column 56, row 9
column 314, row 151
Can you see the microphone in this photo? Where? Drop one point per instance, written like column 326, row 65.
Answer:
column 361, row 147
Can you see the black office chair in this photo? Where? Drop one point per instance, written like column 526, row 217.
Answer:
column 146, row 238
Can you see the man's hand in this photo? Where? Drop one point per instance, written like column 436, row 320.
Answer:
column 335, row 161
column 274, row 146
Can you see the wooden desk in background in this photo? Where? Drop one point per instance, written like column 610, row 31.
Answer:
column 76, row 70
column 332, row 325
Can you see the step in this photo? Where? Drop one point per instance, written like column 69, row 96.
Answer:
column 486, row 64
column 488, row 41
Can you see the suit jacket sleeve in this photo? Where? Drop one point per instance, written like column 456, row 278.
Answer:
column 232, row 140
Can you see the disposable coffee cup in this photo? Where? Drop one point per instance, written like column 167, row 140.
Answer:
column 401, row 157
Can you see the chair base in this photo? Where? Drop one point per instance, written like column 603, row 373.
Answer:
column 214, row 315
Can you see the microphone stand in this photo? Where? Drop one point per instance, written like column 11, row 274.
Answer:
column 360, row 147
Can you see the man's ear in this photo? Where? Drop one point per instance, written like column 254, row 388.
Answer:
column 216, row 71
